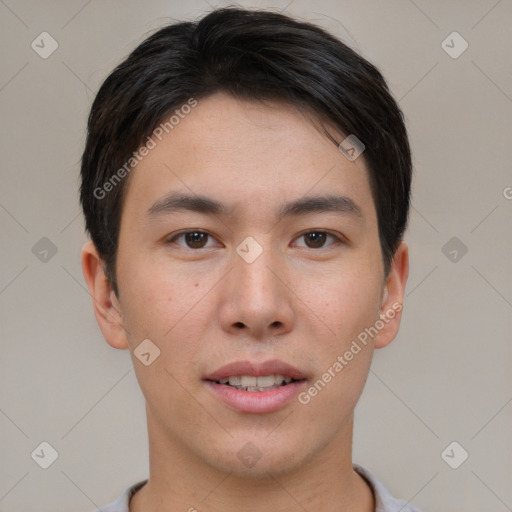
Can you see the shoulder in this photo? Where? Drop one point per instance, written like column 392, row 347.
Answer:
column 384, row 501
column 122, row 503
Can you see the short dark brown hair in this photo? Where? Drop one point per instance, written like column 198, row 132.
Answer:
column 252, row 55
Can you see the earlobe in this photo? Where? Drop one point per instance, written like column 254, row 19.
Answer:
column 393, row 296
column 105, row 304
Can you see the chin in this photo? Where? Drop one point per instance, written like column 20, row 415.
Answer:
column 257, row 457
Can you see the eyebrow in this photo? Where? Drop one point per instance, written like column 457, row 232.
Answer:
column 175, row 202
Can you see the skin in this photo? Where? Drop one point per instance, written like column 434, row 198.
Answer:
column 299, row 301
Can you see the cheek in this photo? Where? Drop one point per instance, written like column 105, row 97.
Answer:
column 163, row 307
column 330, row 400
column 173, row 310
column 350, row 305
column 157, row 298
column 347, row 303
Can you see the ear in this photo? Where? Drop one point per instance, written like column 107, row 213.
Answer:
column 393, row 296
column 105, row 303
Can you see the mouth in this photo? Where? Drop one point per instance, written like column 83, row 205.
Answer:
column 252, row 384
column 251, row 387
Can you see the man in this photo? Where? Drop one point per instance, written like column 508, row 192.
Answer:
column 245, row 183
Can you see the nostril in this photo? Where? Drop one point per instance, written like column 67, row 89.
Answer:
column 239, row 324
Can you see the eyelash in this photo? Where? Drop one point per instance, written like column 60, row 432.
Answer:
column 338, row 239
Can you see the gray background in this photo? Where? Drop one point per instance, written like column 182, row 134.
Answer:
column 447, row 377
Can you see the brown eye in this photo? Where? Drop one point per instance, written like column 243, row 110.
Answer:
column 318, row 239
column 192, row 239
column 196, row 239
column 315, row 239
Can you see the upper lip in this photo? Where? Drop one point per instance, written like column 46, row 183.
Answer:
column 255, row 369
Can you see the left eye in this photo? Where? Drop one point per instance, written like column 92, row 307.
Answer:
column 193, row 239
column 316, row 239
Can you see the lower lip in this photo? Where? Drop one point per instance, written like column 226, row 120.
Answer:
column 257, row 402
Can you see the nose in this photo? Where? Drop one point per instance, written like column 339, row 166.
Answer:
column 256, row 299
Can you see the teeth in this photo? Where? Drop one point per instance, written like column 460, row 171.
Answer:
column 251, row 383
column 235, row 381
column 266, row 381
column 246, row 381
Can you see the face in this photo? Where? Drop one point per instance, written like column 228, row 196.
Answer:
column 249, row 256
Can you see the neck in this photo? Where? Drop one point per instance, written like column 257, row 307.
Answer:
column 180, row 481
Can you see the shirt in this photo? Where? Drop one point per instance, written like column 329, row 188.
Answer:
column 384, row 502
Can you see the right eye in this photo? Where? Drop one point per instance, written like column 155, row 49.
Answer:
column 193, row 239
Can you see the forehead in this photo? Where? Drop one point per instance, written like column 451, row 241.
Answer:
column 246, row 154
